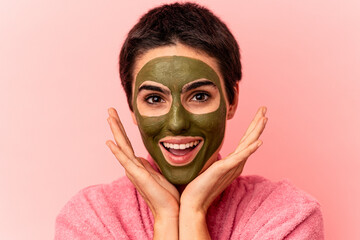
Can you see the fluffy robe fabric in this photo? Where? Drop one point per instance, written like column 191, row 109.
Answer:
column 252, row 207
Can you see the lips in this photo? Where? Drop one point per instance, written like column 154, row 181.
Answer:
column 179, row 151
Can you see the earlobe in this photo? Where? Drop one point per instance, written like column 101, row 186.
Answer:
column 133, row 118
column 233, row 106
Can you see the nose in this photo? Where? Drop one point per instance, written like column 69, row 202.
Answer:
column 178, row 120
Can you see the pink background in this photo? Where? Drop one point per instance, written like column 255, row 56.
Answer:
column 58, row 76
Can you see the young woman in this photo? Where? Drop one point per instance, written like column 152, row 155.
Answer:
column 180, row 68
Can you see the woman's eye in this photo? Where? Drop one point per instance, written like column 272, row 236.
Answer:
column 154, row 99
column 200, row 97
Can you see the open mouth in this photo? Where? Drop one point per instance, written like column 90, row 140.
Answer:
column 180, row 151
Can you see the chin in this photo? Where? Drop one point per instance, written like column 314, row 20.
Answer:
column 181, row 179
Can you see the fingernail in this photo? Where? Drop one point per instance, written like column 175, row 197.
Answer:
column 265, row 120
column 259, row 143
column 264, row 110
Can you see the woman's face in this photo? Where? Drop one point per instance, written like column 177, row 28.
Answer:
column 181, row 109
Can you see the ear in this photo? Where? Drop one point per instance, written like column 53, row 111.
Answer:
column 233, row 106
column 133, row 118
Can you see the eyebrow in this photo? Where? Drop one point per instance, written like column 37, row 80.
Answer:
column 154, row 88
column 198, row 84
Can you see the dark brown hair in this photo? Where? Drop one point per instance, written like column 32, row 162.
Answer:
column 188, row 24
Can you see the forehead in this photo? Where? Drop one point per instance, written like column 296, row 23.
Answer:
column 176, row 70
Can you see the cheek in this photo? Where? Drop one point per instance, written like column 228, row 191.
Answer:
column 212, row 124
column 150, row 127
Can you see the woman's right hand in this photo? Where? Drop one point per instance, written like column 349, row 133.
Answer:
column 160, row 195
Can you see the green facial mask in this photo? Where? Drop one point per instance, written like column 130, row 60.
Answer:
column 174, row 72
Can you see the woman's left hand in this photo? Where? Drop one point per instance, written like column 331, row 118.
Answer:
column 202, row 191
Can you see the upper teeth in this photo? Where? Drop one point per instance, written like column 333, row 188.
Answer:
column 181, row 146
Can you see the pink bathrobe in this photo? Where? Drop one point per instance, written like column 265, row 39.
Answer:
column 250, row 208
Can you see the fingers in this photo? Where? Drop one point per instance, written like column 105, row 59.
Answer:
column 237, row 159
column 121, row 156
column 244, row 154
column 113, row 113
column 120, row 136
column 148, row 166
column 254, row 135
column 254, row 131
column 249, row 143
column 133, row 167
column 260, row 113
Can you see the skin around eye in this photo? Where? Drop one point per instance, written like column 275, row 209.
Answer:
column 154, row 99
column 200, row 97
column 204, row 100
column 153, row 103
